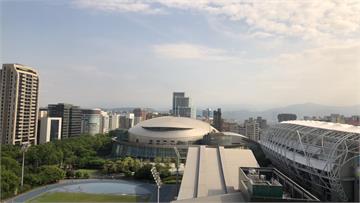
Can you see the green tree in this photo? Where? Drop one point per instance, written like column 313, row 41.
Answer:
column 12, row 151
column 78, row 174
column 86, row 175
column 51, row 174
column 9, row 183
column 119, row 166
column 110, row 167
column 158, row 160
column 144, row 172
column 11, row 164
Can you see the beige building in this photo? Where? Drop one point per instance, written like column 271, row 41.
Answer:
column 19, row 90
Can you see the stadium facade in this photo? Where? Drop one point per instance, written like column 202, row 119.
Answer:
column 323, row 157
column 157, row 137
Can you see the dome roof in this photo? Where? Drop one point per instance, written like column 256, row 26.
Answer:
column 171, row 127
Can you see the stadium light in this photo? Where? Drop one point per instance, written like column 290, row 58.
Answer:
column 156, row 176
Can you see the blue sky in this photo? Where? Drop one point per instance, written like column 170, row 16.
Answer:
column 237, row 54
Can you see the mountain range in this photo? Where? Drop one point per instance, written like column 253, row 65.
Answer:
column 301, row 110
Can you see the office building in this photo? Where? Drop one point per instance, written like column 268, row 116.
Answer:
column 286, row 117
column 252, row 129
column 207, row 113
column 91, row 121
column 323, row 157
column 182, row 106
column 126, row 120
column 105, row 122
column 130, row 120
column 113, row 121
column 217, row 120
column 139, row 115
column 19, row 89
column 50, row 129
column 70, row 116
column 262, row 123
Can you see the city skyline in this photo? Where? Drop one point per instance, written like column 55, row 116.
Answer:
column 116, row 53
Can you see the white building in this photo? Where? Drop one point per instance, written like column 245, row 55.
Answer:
column 114, row 121
column 50, row 129
column 105, row 122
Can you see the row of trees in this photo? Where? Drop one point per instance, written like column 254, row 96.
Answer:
column 136, row 168
column 53, row 161
column 48, row 163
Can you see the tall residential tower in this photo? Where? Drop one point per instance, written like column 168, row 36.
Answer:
column 19, row 88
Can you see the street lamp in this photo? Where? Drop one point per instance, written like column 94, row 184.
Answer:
column 24, row 148
column 156, row 176
column 177, row 169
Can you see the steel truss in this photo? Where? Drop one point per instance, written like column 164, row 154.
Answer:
column 315, row 157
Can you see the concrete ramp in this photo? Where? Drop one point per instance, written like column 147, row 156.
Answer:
column 213, row 171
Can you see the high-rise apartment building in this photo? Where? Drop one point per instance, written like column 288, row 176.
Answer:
column 217, row 120
column 19, row 88
column 70, row 116
column 252, row 129
column 181, row 106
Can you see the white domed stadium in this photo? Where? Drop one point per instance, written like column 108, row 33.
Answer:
column 168, row 130
column 157, row 137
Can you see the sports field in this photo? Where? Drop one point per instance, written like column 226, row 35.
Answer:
column 86, row 197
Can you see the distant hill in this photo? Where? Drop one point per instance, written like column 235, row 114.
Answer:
column 127, row 109
column 301, row 110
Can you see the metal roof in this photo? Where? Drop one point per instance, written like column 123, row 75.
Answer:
column 172, row 127
column 326, row 125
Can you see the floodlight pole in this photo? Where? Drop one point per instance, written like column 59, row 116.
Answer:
column 177, row 169
column 158, row 194
column 24, row 147
column 157, row 179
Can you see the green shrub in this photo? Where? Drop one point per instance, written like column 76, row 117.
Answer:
column 86, row 175
column 78, row 174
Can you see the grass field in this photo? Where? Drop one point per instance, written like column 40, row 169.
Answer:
column 91, row 172
column 85, row 197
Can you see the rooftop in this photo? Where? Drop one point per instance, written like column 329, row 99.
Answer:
column 326, row 125
column 213, row 171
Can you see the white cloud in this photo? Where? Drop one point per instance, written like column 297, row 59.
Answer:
column 323, row 75
column 190, row 51
column 304, row 19
column 118, row 6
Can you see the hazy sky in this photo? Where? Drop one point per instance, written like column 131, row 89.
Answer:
column 113, row 53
